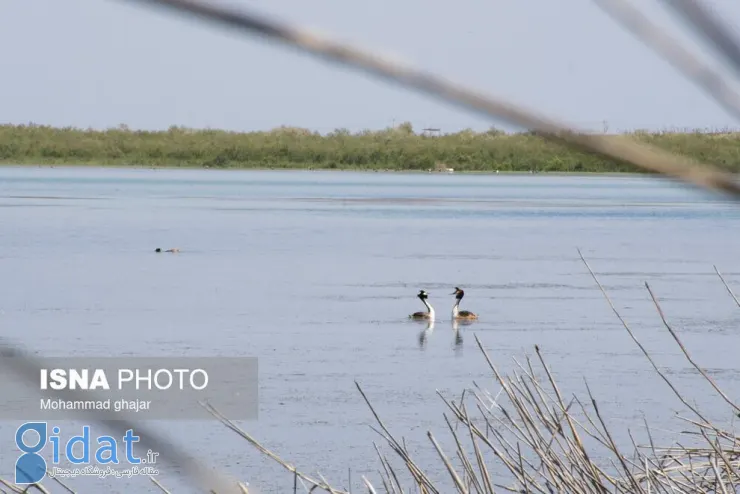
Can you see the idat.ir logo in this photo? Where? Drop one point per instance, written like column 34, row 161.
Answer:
column 32, row 437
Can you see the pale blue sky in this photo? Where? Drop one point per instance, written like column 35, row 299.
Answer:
column 100, row 63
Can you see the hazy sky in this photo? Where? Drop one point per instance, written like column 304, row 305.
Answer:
column 100, row 63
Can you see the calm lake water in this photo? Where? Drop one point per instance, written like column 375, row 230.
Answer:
column 315, row 274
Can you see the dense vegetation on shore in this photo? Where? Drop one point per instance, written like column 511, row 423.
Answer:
column 398, row 148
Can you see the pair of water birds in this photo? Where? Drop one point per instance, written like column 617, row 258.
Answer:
column 457, row 314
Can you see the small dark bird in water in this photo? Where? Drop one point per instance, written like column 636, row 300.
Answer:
column 168, row 250
column 430, row 310
column 456, row 312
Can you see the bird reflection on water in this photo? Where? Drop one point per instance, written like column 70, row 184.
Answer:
column 425, row 333
column 429, row 329
column 458, row 334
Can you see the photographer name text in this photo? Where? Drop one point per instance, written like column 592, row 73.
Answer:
column 120, row 405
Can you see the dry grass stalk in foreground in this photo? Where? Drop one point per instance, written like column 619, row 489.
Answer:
column 541, row 438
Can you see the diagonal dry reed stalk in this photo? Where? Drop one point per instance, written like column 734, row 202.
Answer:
column 634, row 338
column 318, row 484
column 686, row 353
column 159, row 485
column 729, row 290
column 708, row 25
column 700, row 72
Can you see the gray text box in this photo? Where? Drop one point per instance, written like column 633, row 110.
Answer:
column 133, row 388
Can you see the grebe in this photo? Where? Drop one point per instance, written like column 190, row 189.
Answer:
column 168, row 250
column 456, row 312
column 430, row 310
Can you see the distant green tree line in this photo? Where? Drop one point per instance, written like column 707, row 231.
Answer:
column 398, row 148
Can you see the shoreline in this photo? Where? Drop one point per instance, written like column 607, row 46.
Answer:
column 79, row 166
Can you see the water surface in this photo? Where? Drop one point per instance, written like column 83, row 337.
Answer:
column 316, row 272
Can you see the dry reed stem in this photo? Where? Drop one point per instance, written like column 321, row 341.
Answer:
column 615, row 147
column 370, row 487
column 455, row 476
column 158, row 484
column 729, row 290
column 420, row 477
column 612, row 444
column 637, row 342
column 388, row 470
column 711, row 27
column 10, row 486
column 479, row 457
column 471, row 479
column 686, row 353
column 231, row 425
column 701, row 73
column 15, row 488
column 64, row 486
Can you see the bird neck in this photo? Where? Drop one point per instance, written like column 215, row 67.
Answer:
column 428, row 306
